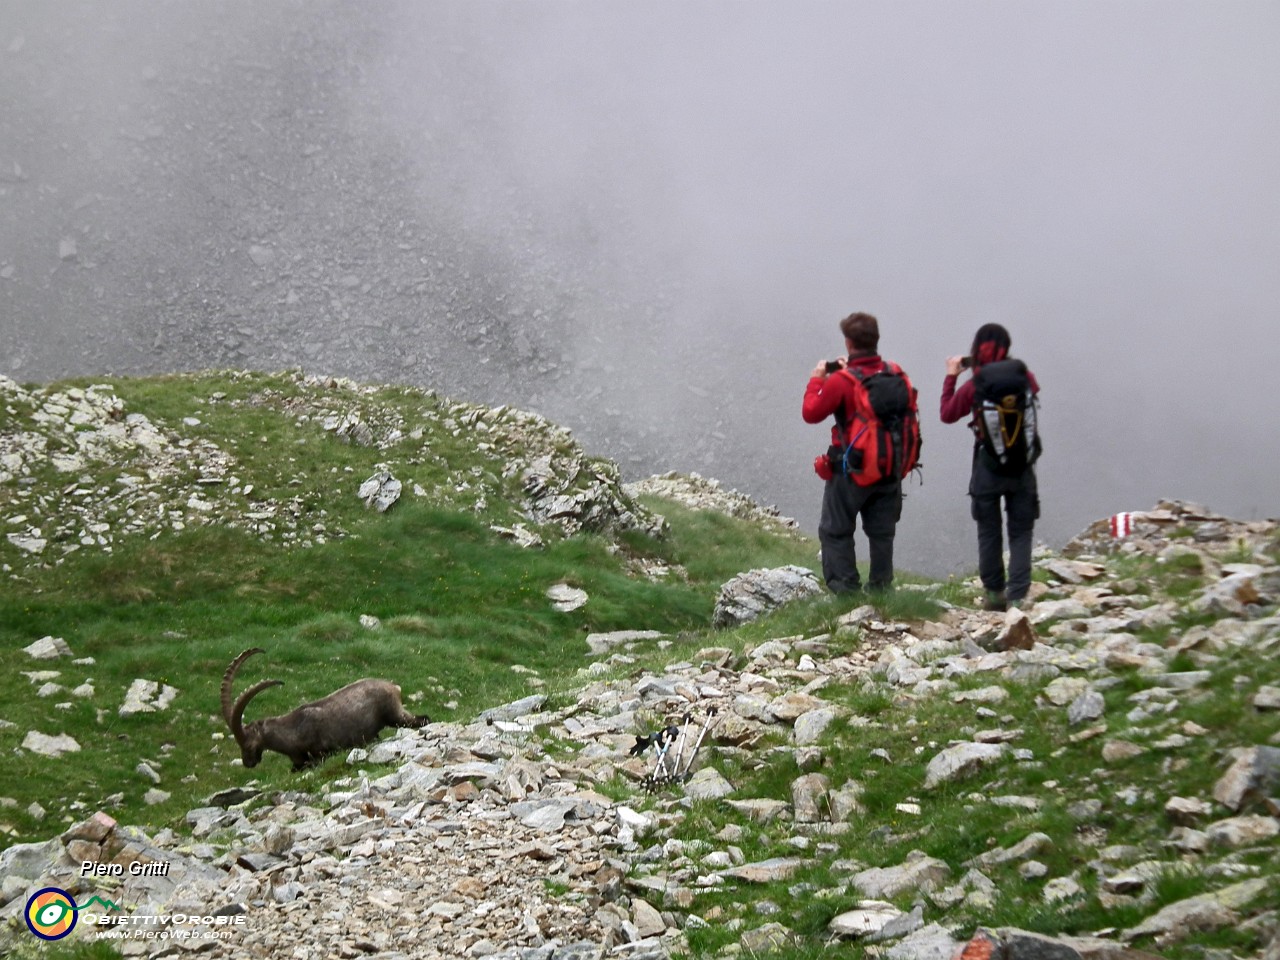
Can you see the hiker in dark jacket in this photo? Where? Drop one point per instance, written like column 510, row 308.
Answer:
column 990, row 485
column 843, row 501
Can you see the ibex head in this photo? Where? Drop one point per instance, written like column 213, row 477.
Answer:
column 248, row 737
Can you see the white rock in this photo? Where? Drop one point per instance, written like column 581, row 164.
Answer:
column 147, row 696
column 30, row 543
column 566, row 598
column 380, row 491
column 49, row 746
column 632, row 824
column 47, row 648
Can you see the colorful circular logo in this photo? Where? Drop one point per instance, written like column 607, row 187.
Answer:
column 51, row 913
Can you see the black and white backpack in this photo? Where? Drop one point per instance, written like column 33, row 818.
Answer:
column 1005, row 416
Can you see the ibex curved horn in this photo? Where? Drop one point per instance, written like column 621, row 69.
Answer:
column 234, row 714
column 228, row 678
column 237, row 712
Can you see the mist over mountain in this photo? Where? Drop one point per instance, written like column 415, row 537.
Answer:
column 646, row 223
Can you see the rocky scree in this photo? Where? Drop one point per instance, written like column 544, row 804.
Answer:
column 525, row 834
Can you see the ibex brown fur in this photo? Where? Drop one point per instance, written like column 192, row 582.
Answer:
column 346, row 718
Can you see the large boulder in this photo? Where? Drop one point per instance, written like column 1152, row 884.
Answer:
column 757, row 592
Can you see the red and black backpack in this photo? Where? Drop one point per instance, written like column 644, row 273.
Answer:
column 880, row 434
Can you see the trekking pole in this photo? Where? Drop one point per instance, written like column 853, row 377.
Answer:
column 662, row 743
column 680, row 744
column 713, row 719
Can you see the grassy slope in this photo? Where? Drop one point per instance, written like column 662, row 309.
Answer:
column 459, row 605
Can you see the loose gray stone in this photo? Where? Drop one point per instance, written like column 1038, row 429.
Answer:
column 959, row 761
column 1064, row 690
column 810, row 726
column 846, row 803
column 602, row 643
column 147, row 696
column 792, row 705
column 809, row 796
column 1086, row 708
column 1016, row 634
column 1254, row 775
column 1243, row 831
column 1210, row 911
column 648, row 921
column 870, row 916
column 380, row 491
column 1186, row 811
column 1058, row 610
column 1267, row 698
column 1117, row 751
column 516, row 709
column 765, row 871
column 1062, row 888
column 917, row 873
column 932, row 942
column 1034, row 844
column 765, row 940
column 759, row 810
column 708, row 784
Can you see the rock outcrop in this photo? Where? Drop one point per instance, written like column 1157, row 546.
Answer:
column 122, row 474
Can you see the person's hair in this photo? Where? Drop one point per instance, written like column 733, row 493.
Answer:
column 862, row 329
column 990, row 343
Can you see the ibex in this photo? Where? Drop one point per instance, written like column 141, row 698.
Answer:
column 350, row 717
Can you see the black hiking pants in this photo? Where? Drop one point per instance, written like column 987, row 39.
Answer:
column 988, row 492
column 880, row 506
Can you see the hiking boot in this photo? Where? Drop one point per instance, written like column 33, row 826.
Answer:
column 995, row 602
column 845, row 589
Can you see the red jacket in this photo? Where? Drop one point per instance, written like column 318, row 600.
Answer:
column 822, row 398
column 958, row 403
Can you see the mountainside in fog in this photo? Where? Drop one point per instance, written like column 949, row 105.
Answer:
column 207, row 204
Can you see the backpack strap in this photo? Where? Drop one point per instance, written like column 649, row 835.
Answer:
column 886, row 366
column 842, row 417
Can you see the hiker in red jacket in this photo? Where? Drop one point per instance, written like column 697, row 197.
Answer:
column 999, row 399
column 831, row 392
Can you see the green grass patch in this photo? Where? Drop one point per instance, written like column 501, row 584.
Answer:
column 460, row 608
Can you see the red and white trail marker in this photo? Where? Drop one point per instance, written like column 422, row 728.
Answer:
column 1121, row 524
